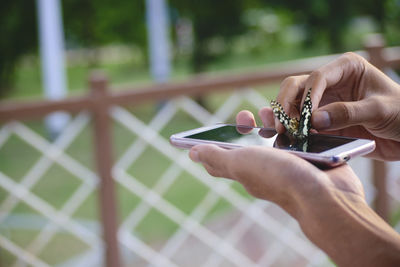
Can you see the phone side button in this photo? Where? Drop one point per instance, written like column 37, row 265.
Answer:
column 346, row 158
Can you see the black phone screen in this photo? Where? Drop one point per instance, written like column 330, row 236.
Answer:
column 248, row 136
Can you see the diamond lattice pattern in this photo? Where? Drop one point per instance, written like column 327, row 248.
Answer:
column 172, row 212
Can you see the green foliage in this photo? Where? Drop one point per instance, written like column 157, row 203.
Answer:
column 321, row 19
column 213, row 22
column 392, row 21
column 220, row 28
column 92, row 23
column 18, row 33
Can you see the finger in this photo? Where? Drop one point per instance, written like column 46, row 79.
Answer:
column 317, row 83
column 266, row 132
column 339, row 115
column 213, row 158
column 288, row 96
column 332, row 74
column 267, row 117
column 290, row 89
column 245, row 117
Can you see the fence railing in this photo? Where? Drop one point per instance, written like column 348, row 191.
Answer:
column 104, row 106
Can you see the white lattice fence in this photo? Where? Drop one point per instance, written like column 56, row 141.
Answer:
column 241, row 231
column 221, row 249
column 55, row 219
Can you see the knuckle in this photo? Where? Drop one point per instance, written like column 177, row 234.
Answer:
column 316, row 74
column 344, row 114
column 347, row 111
column 212, row 171
column 290, row 81
column 350, row 58
column 220, row 164
column 379, row 105
column 383, row 118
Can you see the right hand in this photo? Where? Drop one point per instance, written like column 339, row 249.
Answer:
column 350, row 97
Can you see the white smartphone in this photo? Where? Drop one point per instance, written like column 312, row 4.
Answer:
column 320, row 149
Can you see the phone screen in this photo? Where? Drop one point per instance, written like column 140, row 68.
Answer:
column 248, row 136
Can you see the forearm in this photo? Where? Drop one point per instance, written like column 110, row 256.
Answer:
column 348, row 230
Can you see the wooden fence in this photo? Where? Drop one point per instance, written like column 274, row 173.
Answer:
column 100, row 99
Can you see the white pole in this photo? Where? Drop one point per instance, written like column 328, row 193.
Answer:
column 158, row 37
column 52, row 59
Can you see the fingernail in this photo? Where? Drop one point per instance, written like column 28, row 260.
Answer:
column 194, row 155
column 321, row 120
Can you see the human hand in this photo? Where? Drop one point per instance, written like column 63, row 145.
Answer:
column 270, row 173
column 351, row 98
column 301, row 189
column 275, row 175
column 329, row 205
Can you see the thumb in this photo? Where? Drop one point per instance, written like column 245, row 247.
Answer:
column 214, row 159
column 339, row 115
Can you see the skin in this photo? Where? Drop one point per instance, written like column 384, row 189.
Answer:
column 329, row 204
column 351, row 98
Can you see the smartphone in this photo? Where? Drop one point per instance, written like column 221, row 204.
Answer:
column 319, row 149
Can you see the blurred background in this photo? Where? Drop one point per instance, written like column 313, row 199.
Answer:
column 169, row 211
column 203, row 36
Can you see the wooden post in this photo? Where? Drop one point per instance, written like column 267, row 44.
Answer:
column 381, row 201
column 104, row 161
column 374, row 45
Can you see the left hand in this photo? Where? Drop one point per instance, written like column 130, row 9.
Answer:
column 273, row 174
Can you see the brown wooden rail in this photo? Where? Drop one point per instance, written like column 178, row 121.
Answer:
column 200, row 85
column 100, row 99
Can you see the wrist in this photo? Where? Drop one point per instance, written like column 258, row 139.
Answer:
column 343, row 225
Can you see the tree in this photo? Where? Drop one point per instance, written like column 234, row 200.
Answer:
column 18, row 32
column 210, row 19
column 94, row 23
